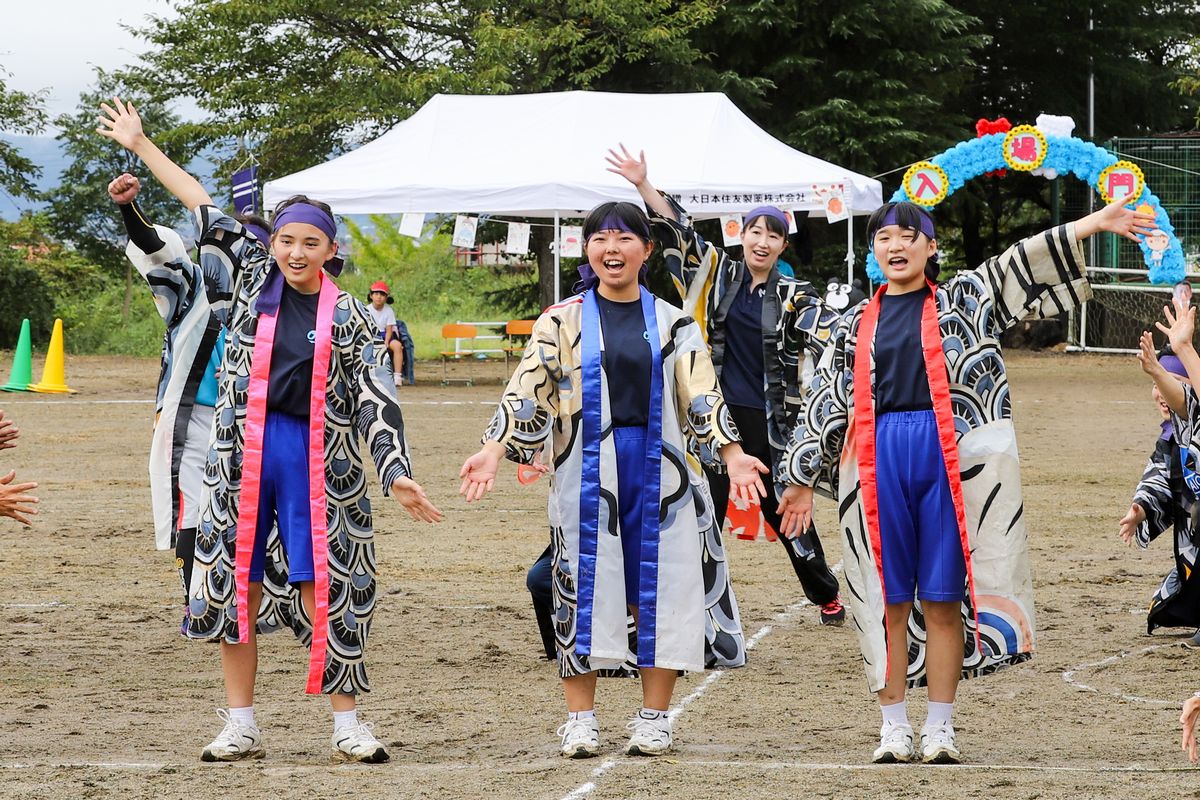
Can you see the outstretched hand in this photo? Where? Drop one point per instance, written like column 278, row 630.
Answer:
column 478, row 472
column 1181, row 327
column 796, row 510
column 1147, row 356
column 1129, row 523
column 14, row 500
column 1191, row 710
column 410, row 495
column 8, row 432
column 630, row 168
column 121, row 123
column 124, row 188
column 745, row 476
column 1117, row 217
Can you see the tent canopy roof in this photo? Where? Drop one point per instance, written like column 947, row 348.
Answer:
column 538, row 154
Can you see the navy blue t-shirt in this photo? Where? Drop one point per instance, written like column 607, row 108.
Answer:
column 626, row 361
column 742, row 371
column 290, row 387
column 900, row 380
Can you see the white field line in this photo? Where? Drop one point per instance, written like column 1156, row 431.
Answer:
column 1069, row 675
column 585, row 789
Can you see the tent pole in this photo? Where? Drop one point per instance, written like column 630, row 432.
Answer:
column 849, row 247
column 557, row 268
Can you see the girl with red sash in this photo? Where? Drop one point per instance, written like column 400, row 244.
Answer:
column 285, row 506
column 908, row 424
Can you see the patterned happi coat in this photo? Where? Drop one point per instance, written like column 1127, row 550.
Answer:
column 832, row 447
column 353, row 395
column 696, row 622
column 193, row 301
column 1170, row 504
column 796, row 324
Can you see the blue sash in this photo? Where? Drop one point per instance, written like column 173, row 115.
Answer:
column 590, row 481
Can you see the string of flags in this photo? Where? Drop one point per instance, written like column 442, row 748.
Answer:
column 570, row 239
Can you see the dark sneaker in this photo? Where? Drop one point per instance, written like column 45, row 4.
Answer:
column 833, row 612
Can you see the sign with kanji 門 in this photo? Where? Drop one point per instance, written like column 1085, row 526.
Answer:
column 1122, row 180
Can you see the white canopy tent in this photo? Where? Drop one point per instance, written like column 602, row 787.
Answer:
column 542, row 155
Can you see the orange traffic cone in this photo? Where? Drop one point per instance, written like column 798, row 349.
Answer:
column 54, row 373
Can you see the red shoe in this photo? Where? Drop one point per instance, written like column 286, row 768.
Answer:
column 833, row 612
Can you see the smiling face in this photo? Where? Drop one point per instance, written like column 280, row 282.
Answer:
column 301, row 251
column 761, row 246
column 902, row 254
column 616, row 256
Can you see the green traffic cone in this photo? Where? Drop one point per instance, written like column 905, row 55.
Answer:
column 22, row 366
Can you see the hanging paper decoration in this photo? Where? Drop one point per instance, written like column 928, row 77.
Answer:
column 571, row 241
column 518, row 239
column 731, row 229
column 464, row 231
column 791, row 218
column 951, row 169
column 833, row 200
column 411, row 224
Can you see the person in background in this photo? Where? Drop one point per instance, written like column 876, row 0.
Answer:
column 381, row 311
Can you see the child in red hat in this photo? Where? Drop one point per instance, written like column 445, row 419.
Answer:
column 385, row 318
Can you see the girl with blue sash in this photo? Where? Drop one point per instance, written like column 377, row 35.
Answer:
column 618, row 380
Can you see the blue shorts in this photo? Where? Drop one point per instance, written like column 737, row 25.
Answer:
column 283, row 497
column 918, row 527
column 631, row 483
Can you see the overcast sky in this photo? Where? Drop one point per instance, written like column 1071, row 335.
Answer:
column 54, row 44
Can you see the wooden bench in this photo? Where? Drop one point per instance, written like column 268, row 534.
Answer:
column 459, row 333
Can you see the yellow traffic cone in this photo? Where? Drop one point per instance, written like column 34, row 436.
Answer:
column 54, row 373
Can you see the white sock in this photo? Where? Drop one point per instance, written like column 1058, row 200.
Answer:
column 652, row 713
column 345, row 719
column 589, row 714
column 939, row 714
column 243, row 716
column 894, row 714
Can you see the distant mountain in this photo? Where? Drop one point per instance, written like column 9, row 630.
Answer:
column 47, row 152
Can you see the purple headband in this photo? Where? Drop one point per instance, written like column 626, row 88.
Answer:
column 311, row 215
column 260, row 233
column 1173, row 365
column 769, row 211
column 925, row 224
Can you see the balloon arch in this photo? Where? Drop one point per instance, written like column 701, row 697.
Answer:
column 1025, row 149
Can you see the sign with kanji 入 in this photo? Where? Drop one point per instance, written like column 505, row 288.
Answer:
column 926, row 183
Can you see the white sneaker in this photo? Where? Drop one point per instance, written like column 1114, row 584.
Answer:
column 580, row 737
column 937, row 745
column 648, row 737
column 895, row 745
column 235, row 741
column 358, row 743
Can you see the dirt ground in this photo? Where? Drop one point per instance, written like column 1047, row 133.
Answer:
column 103, row 698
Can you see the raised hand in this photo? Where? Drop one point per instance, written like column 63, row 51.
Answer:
column 479, row 472
column 1147, row 356
column 1181, row 327
column 14, row 502
column 795, row 510
column 121, row 123
column 1129, row 523
column 410, row 495
column 630, row 168
column 124, row 188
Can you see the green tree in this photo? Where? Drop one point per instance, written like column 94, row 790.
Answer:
column 20, row 113
column 80, row 210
